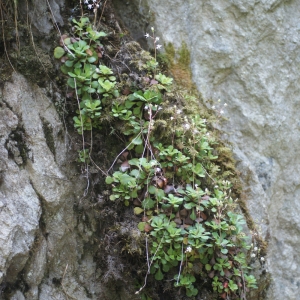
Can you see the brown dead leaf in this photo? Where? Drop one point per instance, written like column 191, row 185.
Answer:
column 89, row 52
column 145, row 219
column 64, row 59
column 126, row 91
column 211, row 274
column 148, row 228
column 203, row 215
column 183, row 213
column 137, row 202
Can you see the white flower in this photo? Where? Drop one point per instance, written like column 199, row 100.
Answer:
column 225, row 104
column 156, row 39
column 158, row 46
column 204, row 120
column 186, row 126
column 90, row 6
column 86, row 2
column 171, row 118
column 94, row 1
column 159, row 108
column 147, row 35
column 207, row 134
column 255, row 249
column 146, row 107
column 221, row 112
column 178, row 112
column 219, row 100
column 253, row 255
column 97, row 5
column 262, row 259
column 152, row 28
column 188, row 249
column 213, row 107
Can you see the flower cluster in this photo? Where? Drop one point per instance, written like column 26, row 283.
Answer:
column 255, row 253
column 220, row 108
column 155, row 39
column 188, row 249
column 92, row 4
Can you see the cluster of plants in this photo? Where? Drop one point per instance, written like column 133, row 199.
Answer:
column 93, row 83
column 167, row 171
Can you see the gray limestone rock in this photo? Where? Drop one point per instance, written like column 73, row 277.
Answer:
column 37, row 221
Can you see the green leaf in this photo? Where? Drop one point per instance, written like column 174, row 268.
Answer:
column 113, row 197
column 105, row 70
column 138, row 210
column 92, row 59
column 71, row 83
column 159, row 275
column 164, row 79
column 109, row 180
column 59, row 52
column 65, row 69
column 141, row 226
column 67, row 41
column 69, row 63
column 224, row 251
column 193, row 215
column 148, row 203
column 106, row 85
column 152, row 189
column 139, row 149
column 125, row 179
column 189, row 205
column 137, row 141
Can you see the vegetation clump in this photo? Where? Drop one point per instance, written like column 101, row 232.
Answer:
column 168, row 170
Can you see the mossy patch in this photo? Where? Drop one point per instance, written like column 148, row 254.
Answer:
column 33, row 63
column 179, row 64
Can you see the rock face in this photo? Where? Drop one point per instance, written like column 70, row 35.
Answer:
column 36, row 196
column 48, row 241
column 247, row 54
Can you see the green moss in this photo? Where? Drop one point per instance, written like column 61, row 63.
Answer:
column 33, row 63
column 179, row 64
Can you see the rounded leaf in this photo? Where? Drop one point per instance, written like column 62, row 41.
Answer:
column 59, row 52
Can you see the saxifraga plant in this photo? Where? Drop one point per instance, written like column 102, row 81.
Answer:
column 187, row 213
